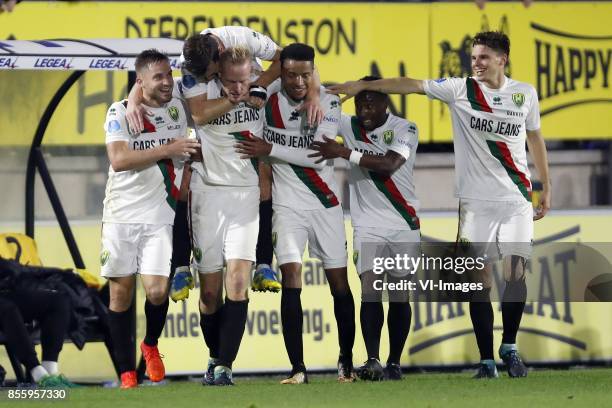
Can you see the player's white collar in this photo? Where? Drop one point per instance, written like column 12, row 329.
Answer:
column 501, row 88
column 383, row 125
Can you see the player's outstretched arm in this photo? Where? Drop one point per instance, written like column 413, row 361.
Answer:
column 136, row 111
column 256, row 147
column 537, row 148
column 204, row 110
column 401, row 85
column 272, row 73
column 330, row 149
column 122, row 158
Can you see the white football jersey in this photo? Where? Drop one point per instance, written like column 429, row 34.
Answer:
column 296, row 186
column 261, row 47
column 145, row 196
column 376, row 200
column 221, row 165
column 489, row 134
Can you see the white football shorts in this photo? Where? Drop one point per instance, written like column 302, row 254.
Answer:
column 135, row 248
column 323, row 229
column 370, row 243
column 503, row 227
column 224, row 225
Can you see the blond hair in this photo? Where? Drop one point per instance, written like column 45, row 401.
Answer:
column 235, row 55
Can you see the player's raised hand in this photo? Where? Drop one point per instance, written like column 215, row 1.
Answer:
column 348, row 89
column 313, row 109
column 182, row 148
column 254, row 147
column 135, row 114
column 328, row 149
column 544, row 205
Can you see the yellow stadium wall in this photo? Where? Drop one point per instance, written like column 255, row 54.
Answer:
column 553, row 330
column 564, row 49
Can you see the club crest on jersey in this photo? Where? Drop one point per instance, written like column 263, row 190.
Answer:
column 388, row 136
column 518, row 99
column 104, row 256
column 174, row 113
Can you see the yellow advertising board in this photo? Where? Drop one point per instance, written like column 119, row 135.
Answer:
column 563, row 49
column 552, row 330
column 351, row 41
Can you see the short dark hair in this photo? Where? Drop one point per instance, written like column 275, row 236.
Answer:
column 496, row 40
column 150, row 56
column 199, row 51
column 371, row 78
column 297, row 52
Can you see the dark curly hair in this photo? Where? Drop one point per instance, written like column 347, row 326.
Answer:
column 199, row 51
column 495, row 40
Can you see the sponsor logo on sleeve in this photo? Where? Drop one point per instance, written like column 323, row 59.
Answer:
column 189, row 81
column 113, row 126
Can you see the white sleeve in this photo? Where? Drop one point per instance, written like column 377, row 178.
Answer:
column 444, row 89
column 116, row 125
column 260, row 45
column 532, row 121
column 274, row 87
column 177, row 88
column 406, row 140
column 345, row 130
column 190, row 87
column 331, row 118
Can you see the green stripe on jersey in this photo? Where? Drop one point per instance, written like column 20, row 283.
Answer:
column 386, row 186
column 167, row 170
column 501, row 152
column 315, row 183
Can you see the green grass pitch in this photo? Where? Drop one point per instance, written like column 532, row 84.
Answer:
column 549, row 388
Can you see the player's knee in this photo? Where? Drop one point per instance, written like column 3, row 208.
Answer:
column 237, row 293
column 157, row 295
column 210, row 298
column 369, row 291
column 291, row 278
column 514, row 268
column 120, row 300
